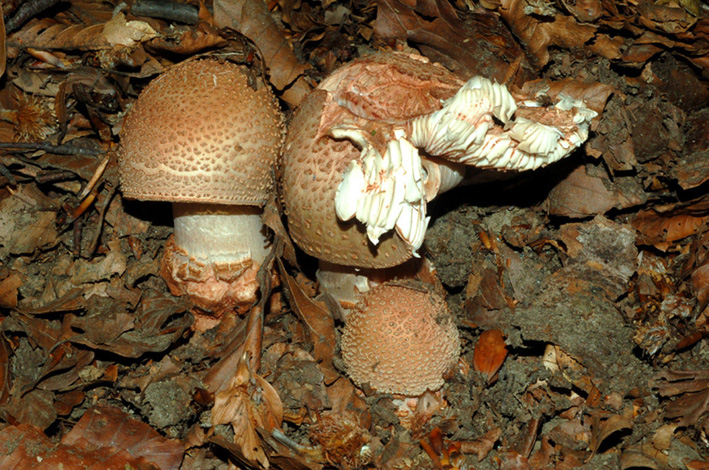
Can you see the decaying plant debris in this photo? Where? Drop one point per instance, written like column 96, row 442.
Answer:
column 581, row 290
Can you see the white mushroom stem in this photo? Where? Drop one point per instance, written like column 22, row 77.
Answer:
column 464, row 130
column 440, row 176
column 220, row 234
column 346, row 284
column 383, row 192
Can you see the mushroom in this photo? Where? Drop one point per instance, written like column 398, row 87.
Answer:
column 400, row 339
column 355, row 186
column 205, row 136
column 350, row 118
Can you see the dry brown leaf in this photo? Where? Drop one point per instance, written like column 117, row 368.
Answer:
column 595, row 95
column 602, row 428
column 662, row 230
column 104, row 427
column 24, row 447
column 318, row 321
column 248, row 404
column 581, row 194
column 538, row 35
column 9, row 289
column 49, row 34
column 700, row 282
column 486, row 48
column 27, row 221
column 189, row 41
column 252, row 19
column 490, row 353
column 3, row 47
column 643, row 456
column 4, row 371
column 482, row 445
column 161, row 319
column 119, row 32
column 691, row 387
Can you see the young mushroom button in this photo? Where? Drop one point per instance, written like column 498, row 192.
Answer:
column 400, row 340
column 205, row 137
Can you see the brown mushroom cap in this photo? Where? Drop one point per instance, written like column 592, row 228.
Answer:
column 400, row 340
column 372, row 93
column 201, row 133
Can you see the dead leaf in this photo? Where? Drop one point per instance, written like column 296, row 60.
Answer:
column 27, row 221
column 24, row 447
column 159, row 321
column 663, row 229
column 538, row 35
column 486, row 48
column 581, row 195
column 490, row 353
column 119, row 32
column 602, row 428
column 319, row 323
column 692, row 391
column 482, row 445
column 643, row 456
column 8, row 289
column 105, row 427
column 50, row 34
column 248, row 404
column 252, row 19
column 3, row 47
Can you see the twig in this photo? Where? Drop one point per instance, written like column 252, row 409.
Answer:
column 64, row 149
column 4, row 171
column 26, row 11
column 54, row 176
column 166, row 10
column 99, row 224
column 76, row 238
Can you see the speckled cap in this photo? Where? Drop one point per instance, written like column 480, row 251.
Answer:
column 401, row 340
column 201, row 132
column 371, row 93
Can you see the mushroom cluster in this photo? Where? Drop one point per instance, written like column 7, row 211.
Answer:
column 205, row 137
column 366, row 151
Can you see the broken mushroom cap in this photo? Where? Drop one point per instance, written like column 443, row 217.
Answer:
column 400, row 340
column 205, row 137
column 345, row 126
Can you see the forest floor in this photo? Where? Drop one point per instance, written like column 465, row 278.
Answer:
column 591, row 275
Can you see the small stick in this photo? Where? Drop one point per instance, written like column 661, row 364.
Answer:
column 166, row 10
column 26, row 11
column 76, row 249
column 64, row 149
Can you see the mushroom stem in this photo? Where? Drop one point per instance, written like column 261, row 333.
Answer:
column 220, row 233
column 440, row 176
column 214, row 255
column 346, row 284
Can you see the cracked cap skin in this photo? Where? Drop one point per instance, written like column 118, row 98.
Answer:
column 201, row 133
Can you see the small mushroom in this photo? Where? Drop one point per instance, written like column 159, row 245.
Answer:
column 400, row 339
column 205, row 137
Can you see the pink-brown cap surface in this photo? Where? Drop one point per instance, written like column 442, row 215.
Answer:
column 201, row 132
column 400, row 340
column 369, row 93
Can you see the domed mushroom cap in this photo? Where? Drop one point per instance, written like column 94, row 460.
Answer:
column 400, row 340
column 201, row 133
